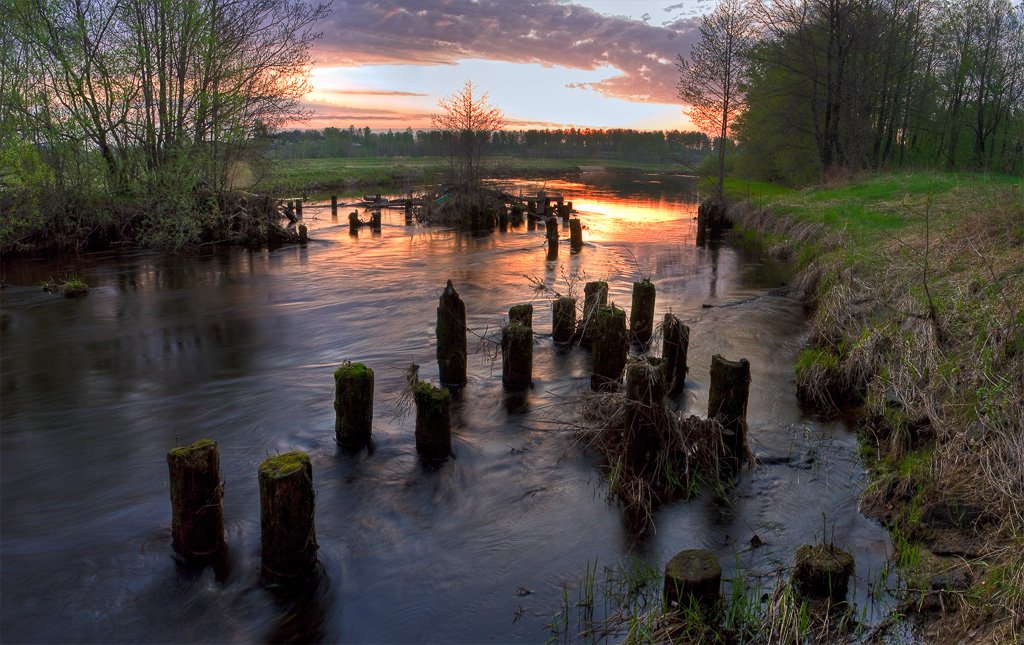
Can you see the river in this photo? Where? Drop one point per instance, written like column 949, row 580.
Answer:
column 239, row 346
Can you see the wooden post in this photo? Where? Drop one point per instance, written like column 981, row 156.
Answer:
column 674, row 347
column 563, row 319
column 595, row 295
column 645, row 405
column 287, row 508
column 822, row 571
column 408, row 212
column 692, row 577
column 197, row 507
column 516, row 356
column 610, row 348
column 353, row 405
column 375, row 218
column 334, row 205
column 641, row 316
column 727, row 402
column 298, row 208
column 433, row 421
column 552, row 234
column 303, row 234
column 451, row 338
column 522, row 314
column 575, row 235
column 354, row 223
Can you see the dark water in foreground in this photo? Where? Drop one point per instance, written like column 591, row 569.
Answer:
column 240, row 346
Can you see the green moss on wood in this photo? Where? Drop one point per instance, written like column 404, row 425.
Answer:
column 285, row 464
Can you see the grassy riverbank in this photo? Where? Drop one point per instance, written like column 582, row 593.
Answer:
column 312, row 175
column 916, row 282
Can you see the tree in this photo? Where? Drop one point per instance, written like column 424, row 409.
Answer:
column 711, row 80
column 467, row 121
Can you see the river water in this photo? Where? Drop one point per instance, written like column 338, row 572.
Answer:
column 240, row 347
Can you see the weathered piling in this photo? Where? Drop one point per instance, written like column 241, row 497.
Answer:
column 298, row 208
column 531, row 222
column 610, row 348
column 692, row 577
column 674, row 346
column 303, row 234
column 517, row 215
column 644, row 411
column 575, row 235
column 516, row 356
column 551, row 233
column 563, row 319
column 408, row 212
column 727, row 402
column 334, row 206
column 197, row 508
column 288, row 536
column 522, row 314
column 433, row 421
column 595, row 295
column 451, row 338
column 641, row 316
column 354, row 223
column 822, row 571
column 375, row 218
column 503, row 220
column 353, row 405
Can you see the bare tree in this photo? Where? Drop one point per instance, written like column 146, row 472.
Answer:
column 711, row 79
column 467, row 121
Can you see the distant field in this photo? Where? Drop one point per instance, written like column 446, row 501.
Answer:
column 310, row 175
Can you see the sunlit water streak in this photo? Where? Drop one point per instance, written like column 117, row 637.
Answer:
column 239, row 346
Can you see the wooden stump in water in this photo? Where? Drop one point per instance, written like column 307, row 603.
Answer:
column 645, row 403
column 522, row 314
column 287, row 507
column 595, row 295
column 433, row 421
column 197, row 507
column 610, row 348
column 303, row 234
column 451, row 338
column 563, row 319
column 408, row 212
column 822, row 571
column 641, row 316
column 531, row 222
column 551, row 232
column 575, row 235
column 353, row 405
column 354, row 223
column 692, row 577
column 674, row 347
column 375, row 219
column 298, row 208
column 334, row 205
column 516, row 356
column 727, row 402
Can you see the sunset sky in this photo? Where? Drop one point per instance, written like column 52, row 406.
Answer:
column 545, row 63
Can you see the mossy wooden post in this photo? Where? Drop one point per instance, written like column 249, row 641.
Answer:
column 288, row 536
column 552, row 234
column 516, row 356
column 595, row 295
column 727, row 401
column 334, row 205
column 822, row 571
column 433, row 421
column 451, row 338
column 353, row 223
column 197, row 507
column 575, row 235
column 692, row 577
column 303, row 234
column 353, row 405
column 298, row 208
column 645, row 404
column 522, row 314
column 563, row 319
column 674, row 347
column 610, row 348
column 641, row 316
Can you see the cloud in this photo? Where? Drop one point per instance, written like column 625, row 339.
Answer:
column 438, row 32
column 374, row 93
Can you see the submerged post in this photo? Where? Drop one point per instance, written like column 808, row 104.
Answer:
column 197, row 507
column 522, row 314
column 563, row 319
column 375, row 218
column 551, row 233
column 303, row 234
column 334, row 205
column 354, row 223
column 288, row 537
column 595, row 295
column 641, row 316
column 516, row 356
column 692, row 577
column 674, row 347
column 727, row 402
column 433, row 421
column 575, row 235
column 610, row 348
column 451, row 338
column 408, row 212
column 353, row 405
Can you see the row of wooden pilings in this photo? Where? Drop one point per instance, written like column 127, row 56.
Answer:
column 288, row 537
